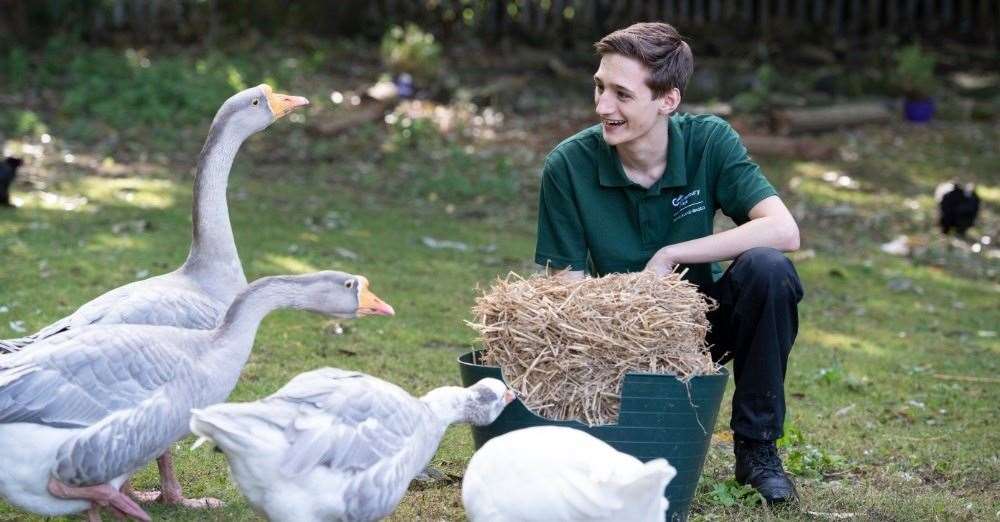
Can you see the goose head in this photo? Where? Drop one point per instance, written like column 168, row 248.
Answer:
column 338, row 294
column 252, row 110
column 485, row 400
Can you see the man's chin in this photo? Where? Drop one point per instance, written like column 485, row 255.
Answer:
column 612, row 139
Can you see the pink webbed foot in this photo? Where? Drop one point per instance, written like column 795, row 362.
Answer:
column 99, row 496
column 170, row 490
column 176, row 499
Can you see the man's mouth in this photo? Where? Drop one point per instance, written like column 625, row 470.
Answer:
column 613, row 123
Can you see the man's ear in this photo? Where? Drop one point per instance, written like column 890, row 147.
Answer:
column 669, row 102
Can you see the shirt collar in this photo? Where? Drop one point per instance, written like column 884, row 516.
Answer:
column 675, row 175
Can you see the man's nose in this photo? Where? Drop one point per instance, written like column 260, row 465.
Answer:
column 603, row 103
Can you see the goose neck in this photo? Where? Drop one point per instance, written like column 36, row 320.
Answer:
column 213, row 243
column 446, row 403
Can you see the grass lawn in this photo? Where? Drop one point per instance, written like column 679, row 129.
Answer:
column 892, row 386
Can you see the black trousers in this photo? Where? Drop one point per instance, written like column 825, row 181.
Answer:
column 755, row 327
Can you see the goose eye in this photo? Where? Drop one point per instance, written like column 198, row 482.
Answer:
column 349, row 283
column 256, row 101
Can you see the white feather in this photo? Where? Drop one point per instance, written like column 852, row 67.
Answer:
column 555, row 474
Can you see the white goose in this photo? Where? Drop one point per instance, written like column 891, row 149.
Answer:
column 197, row 294
column 559, row 474
column 333, row 445
column 81, row 411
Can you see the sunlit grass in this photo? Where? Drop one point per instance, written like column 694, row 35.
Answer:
column 137, row 192
column 890, row 371
column 288, row 265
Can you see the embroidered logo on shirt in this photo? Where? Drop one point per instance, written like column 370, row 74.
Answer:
column 687, row 204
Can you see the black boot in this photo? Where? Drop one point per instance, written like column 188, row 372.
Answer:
column 758, row 464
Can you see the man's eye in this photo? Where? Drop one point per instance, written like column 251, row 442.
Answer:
column 623, row 97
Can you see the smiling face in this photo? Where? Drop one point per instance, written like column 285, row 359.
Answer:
column 624, row 101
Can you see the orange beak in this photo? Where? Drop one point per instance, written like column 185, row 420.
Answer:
column 370, row 304
column 282, row 104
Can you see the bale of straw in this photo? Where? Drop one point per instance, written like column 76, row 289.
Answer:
column 566, row 345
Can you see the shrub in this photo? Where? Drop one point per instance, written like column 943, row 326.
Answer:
column 915, row 72
column 411, row 50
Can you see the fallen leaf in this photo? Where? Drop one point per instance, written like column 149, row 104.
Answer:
column 722, row 437
column 444, row 244
column 844, row 411
column 345, row 253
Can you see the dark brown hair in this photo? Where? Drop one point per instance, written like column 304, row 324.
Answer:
column 659, row 47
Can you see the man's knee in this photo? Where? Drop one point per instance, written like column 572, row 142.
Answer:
column 765, row 269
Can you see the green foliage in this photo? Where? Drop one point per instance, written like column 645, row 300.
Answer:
column 730, row 493
column 457, row 175
column 889, row 462
column 129, row 88
column 811, row 462
column 836, row 375
column 411, row 50
column 429, row 163
column 16, row 68
column 915, row 72
column 759, row 97
column 793, row 435
column 22, row 123
column 137, row 89
column 804, row 459
column 407, row 133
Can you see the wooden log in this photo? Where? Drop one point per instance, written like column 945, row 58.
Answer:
column 786, row 147
column 723, row 110
column 791, row 121
column 502, row 85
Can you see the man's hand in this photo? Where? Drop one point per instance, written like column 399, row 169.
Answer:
column 662, row 262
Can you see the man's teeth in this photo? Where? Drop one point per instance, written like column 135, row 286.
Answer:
column 614, row 123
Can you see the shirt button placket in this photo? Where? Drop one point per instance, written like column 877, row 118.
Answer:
column 644, row 223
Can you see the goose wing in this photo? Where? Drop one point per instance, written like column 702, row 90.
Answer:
column 78, row 379
column 162, row 300
column 122, row 442
column 346, row 420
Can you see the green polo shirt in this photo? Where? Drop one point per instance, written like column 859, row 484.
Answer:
column 592, row 217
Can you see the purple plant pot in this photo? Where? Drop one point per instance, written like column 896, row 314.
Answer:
column 919, row 111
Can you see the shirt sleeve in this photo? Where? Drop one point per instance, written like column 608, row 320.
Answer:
column 740, row 184
column 561, row 242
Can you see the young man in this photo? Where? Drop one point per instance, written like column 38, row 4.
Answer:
column 640, row 191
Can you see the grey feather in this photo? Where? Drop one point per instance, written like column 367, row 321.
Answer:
column 369, row 420
column 108, row 369
column 162, row 300
column 100, row 453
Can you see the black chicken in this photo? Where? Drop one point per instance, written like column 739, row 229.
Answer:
column 8, row 170
column 958, row 206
